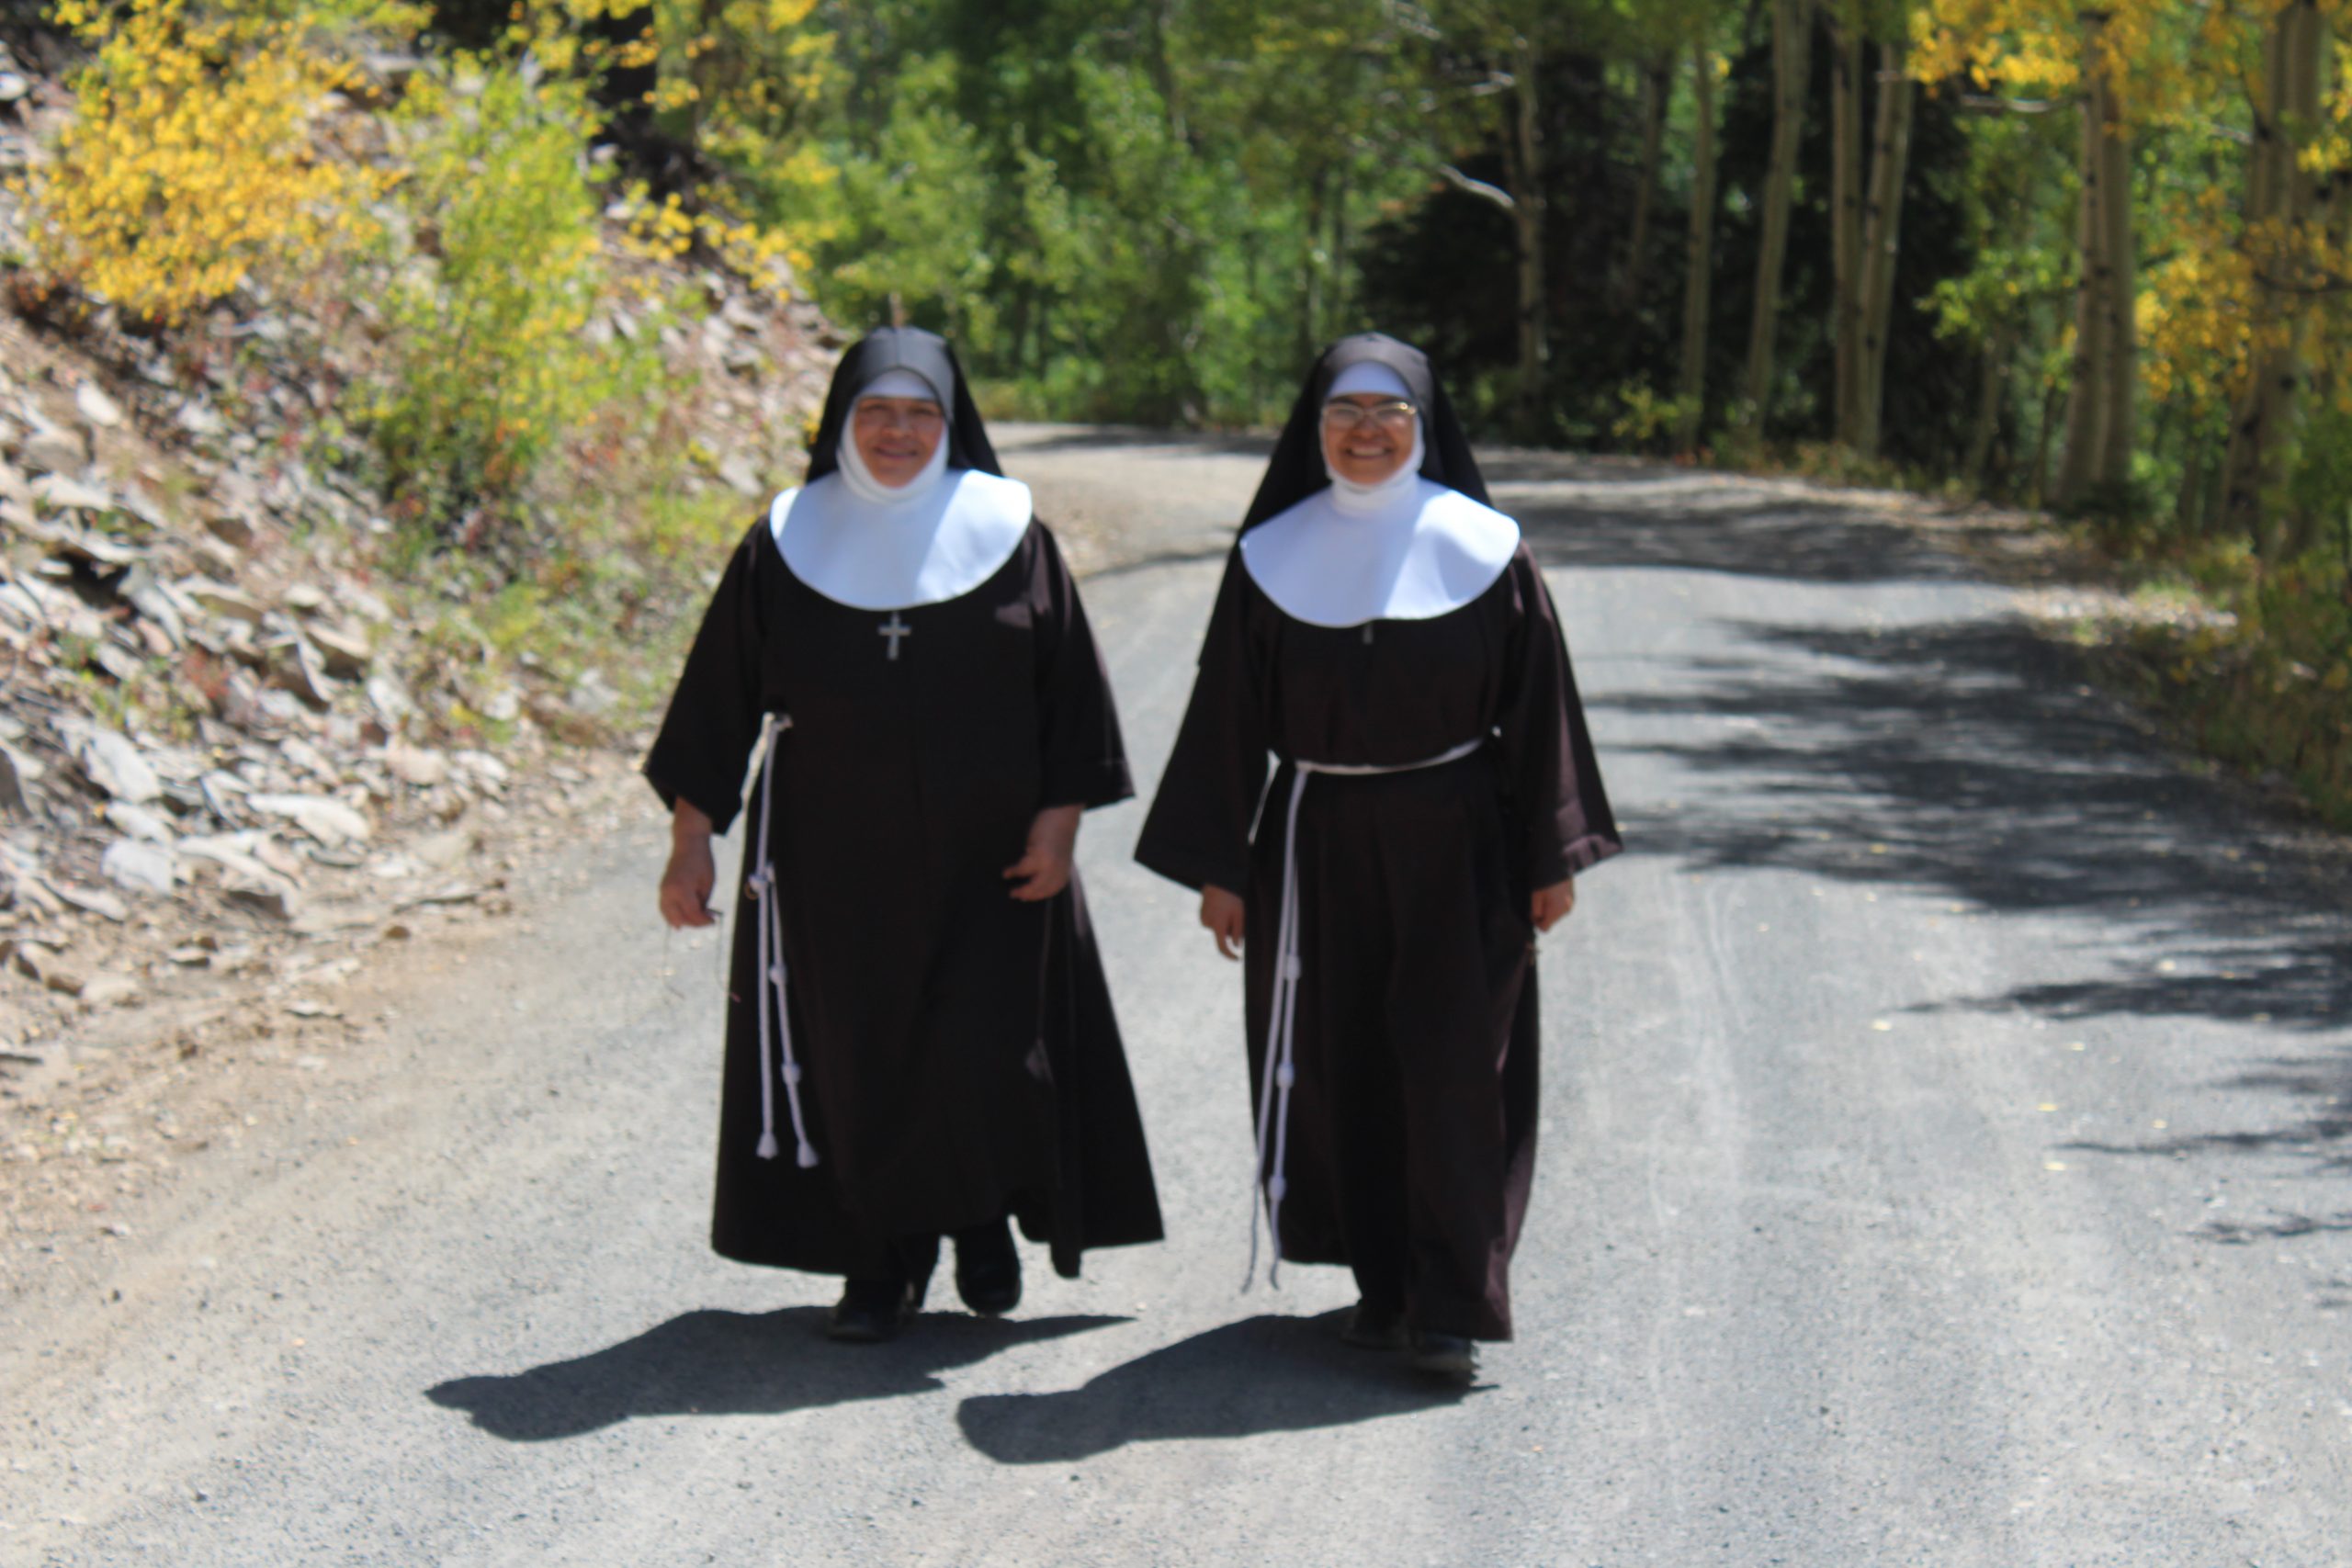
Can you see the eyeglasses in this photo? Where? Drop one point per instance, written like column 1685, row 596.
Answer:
column 885, row 413
column 1388, row 416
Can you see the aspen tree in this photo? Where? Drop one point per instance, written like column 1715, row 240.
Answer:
column 1691, row 388
column 2286, row 210
column 1792, row 62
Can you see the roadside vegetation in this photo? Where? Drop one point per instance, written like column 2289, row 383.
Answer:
column 447, row 243
column 379, row 399
column 2088, row 261
column 2092, row 261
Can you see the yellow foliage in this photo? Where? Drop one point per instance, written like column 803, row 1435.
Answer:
column 2042, row 47
column 190, row 163
column 2223, row 291
column 765, row 258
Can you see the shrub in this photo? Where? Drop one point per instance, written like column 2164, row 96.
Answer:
column 191, row 165
column 492, row 365
column 1650, row 422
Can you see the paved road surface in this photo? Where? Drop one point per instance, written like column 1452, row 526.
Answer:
column 1947, row 1160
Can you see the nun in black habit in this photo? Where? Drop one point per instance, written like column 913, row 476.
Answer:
column 1386, row 636
column 919, row 1041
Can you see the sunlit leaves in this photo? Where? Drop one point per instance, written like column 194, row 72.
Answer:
column 191, row 164
column 492, row 365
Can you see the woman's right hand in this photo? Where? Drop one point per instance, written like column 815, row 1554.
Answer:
column 688, row 879
column 1221, row 912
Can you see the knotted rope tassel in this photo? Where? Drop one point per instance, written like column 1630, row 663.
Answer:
column 775, row 1017
column 1280, row 1072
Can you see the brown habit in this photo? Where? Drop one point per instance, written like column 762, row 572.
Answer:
column 1412, row 1124
column 959, row 1052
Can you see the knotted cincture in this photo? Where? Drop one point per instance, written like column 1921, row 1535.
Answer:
column 775, row 1019
column 1281, row 1074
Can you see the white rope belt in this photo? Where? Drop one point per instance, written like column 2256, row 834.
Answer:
column 1282, row 1071
column 768, row 967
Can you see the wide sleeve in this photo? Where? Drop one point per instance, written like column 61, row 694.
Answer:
column 714, row 718
column 1084, row 760
column 1559, row 804
column 1198, row 829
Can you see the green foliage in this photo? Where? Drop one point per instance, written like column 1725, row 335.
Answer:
column 1649, row 421
column 493, row 367
column 1141, row 211
column 2267, row 683
column 1119, row 212
column 923, row 240
column 605, row 580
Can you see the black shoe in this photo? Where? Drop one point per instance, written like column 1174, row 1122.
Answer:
column 871, row 1310
column 1445, row 1355
column 1373, row 1327
column 988, row 1269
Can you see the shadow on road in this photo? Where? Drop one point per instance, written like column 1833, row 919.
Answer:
column 1705, row 524
column 1263, row 1374
column 733, row 1363
column 1969, row 759
column 1965, row 757
column 2321, row 1090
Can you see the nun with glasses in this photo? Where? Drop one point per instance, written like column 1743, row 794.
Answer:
column 1386, row 638
column 919, row 1041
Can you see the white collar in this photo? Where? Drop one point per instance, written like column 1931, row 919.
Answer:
column 1423, row 552
column 938, row 544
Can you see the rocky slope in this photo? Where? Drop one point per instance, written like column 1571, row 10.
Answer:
column 163, row 884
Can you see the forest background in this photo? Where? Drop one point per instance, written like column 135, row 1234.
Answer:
column 2089, row 259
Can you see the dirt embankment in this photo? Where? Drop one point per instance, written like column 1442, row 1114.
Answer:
column 240, row 752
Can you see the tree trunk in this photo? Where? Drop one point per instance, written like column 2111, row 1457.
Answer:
column 1883, row 229
column 2088, row 404
column 2188, row 508
column 1993, row 379
column 2280, row 201
column 1657, row 86
column 1161, row 20
column 2041, row 482
column 1339, row 243
column 1310, row 315
column 1791, row 59
column 1527, row 213
column 2121, row 299
column 1846, row 224
column 1690, row 390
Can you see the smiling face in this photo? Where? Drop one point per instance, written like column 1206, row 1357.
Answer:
column 897, row 436
column 1367, row 436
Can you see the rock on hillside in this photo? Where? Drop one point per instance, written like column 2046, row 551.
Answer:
column 310, row 782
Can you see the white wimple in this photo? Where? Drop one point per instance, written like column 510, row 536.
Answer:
column 1282, row 1069
column 876, row 549
column 1416, row 552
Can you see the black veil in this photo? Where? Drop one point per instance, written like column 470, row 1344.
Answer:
column 927, row 354
column 1296, row 470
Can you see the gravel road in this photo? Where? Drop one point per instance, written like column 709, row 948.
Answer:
column 1947, row 1159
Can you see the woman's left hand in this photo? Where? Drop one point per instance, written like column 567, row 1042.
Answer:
column 1552, row 904
column 1043, row 869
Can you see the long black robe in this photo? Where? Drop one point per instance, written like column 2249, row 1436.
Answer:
column 1412, row 1124
column 959, row 1052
